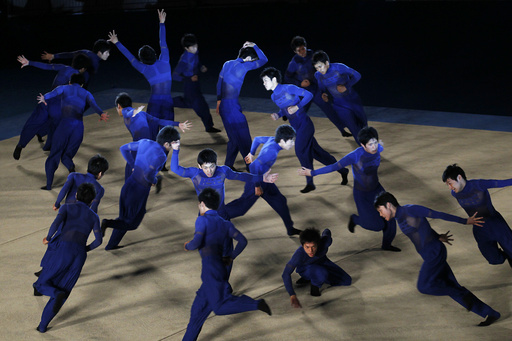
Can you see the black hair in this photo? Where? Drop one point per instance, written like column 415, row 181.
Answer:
column 101, row 45
column 271, row 72
column 124, row 100
column 248, row 51
column 210, row 197
column 320, row 57
column 188, row 40
column 297, row 41
column 284, row 132
column 97, row 164
column 147, row 55
column 86, row 193
column 383, row 198
column 310, row 235
column 167, row 134
column 452, row 172
column 81, row 61
column 366, row 134
column 206, row 156
column 77, row 78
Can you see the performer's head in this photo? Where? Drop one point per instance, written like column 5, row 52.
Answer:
column 207, row 161
column 248, row 54
column 309, row 239
column 77, row 78
column 386, row 204
column 455, row 178
column 81, row 62
column 271, row 77
column 285, row 136
column 321, row 61
column 299, row 46
column 189, row 43
column 97, row 166
column 209, row 199
column 123, row 100
column 167, row 136
column 369, row 139
column 86, row 193
column 147, row 55
column 102, row 48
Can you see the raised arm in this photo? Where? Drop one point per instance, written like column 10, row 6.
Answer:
column 164, row 50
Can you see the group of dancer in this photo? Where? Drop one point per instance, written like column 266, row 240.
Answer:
column 310, row 77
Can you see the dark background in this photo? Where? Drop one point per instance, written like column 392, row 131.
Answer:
column 430, row 55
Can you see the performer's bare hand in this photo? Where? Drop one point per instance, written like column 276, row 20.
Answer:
column 304, row 171
column 305, row 83
column 47, row 56
column 474, row 220
column 341, row 88
column 292, row 109
column 258, row 191
column 194, row 78
column 112, row 37
column 270, row 178
column 203, row 69
column 248, row 44
column 55, row 208
column 248, row 159
column 45, row 242
column 161, row 16
column 274, row 116
column 185, row 246
column 325, row 97
column 446, row 238
column 24, row 61
column 104, row 116
column 138, row 110
column 185, row 125
column 295, row 302
column 40, row 99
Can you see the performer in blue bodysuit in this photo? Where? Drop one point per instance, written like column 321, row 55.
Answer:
column 365, row 162
column 149, row 158
column 70, row 131
column 45, row 118
column 213, row 235
column 335, row 82
column 284, row 139
column 436, row 277
column 473, row 196
column 187, row 71
column 209, row 175
column 291, row 101
column 230, row 82
column 156, row 71
column 301, row 72
column 73, row 224
column 312, row 265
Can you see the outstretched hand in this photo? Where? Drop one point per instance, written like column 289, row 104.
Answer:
column 270, row 178
column 40, row 99
column 274, row 116
column 446, row 238
column 304, row 171
column 24, row 61
column 47, row 56
column 161, row 16
column 474, row 220
column 112, row 37
column 185, row 125
column 104, row 116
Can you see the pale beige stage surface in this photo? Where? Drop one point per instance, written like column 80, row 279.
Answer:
column 145, row 290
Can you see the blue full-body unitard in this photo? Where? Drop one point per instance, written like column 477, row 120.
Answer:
column 216, row 181
column 70, row 132
column 159, row 77
column 300, row 69
column 230, row 82
column 366, row 187
column 318, row 269
column 475, row 198
column 213, row 235
column 347, row 104
column 45, row 118
column 306, row 146
column 436, row 277
column 69, row 189
column 146, row 158
column 271, row 193
column 68, row 237
column 187, row 67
